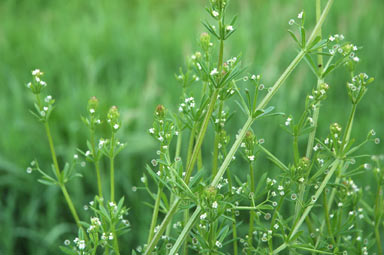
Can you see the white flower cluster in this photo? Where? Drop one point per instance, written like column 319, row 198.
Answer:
column 187, row 105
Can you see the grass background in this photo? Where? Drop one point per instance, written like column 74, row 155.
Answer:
column 126, row 53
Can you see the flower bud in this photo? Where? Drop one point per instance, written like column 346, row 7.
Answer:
column 304, row 163
column 93, row 102
column 113, row 118
column 205, row 40
column 210, row 192
column 160, row 111
column 335, row 128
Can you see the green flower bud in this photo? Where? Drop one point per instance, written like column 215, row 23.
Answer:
column 93, row 102
column 335, row 128
column 205, row 40
column 113, row 118
column 304, row 163
column 160, row 111
column 210, row 192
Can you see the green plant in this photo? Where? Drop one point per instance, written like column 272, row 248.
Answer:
column 200, row 201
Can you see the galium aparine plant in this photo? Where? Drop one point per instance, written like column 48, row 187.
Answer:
column 201, row 205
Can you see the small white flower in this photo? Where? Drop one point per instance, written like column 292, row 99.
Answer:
column 92, row 110
column 112, row 204
column 251, row 158
column 215, row 13
column 75, row 156
column 110, row 236
column 29, row 85
column 214, row 72
column 301, row 179
column 354, row 48
column 203, row 216
column 87, row 153
column 276, row 226
column 214, row 205
column 356, row 59
column 48, row 99
column 331, row 38
column 81, row 244
column 45, row 108
column 340, row 204
column 43, row 83
column 300, row 15
column 36, row 72
column 218, row 244
column 229, row 28
column 280, row 187
column 67, row 242
column 291, row 22
column 29, row 170
column 116, row 126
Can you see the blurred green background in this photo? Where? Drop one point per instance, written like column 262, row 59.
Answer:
column 126, row 53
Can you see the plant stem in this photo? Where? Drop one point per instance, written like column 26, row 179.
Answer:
column 327, row 218
column 237, row 143
column 59, row 177
column 70, row 205
column 251, row 212
column 316, row 112
column 234, row 230
column 297, row 225
column 112, row 167
column 215, row 158
column 53, row 153
column 115, row 241
column 155, row 213
column 96, row 163
column 201, row 136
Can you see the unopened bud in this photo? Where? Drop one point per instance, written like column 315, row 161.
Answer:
column 160, row 111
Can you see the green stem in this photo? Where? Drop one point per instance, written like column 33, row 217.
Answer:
column 97, row 167
column 327, row 218
column 155, row 214
column 378, row 216
column 251, row 213
column 115, row 241
column 191, row 143
column 96, row 162
column 348, row 130
column 59, row 177
column 297, row 225
column 201, row 136
column 168, row 217
column 53, row 153
column 112, row 167
column 346, row 138
column 234, row 230
column 215, row 158
column 71, row 206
